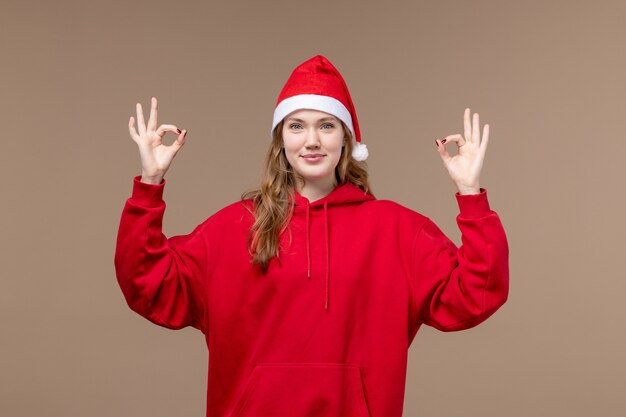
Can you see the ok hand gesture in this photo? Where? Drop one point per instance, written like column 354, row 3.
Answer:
column 155, row 157
column 464, row 168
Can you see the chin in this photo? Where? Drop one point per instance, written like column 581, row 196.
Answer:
column 314, row 175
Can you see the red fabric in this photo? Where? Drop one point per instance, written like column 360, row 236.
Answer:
column 333, row 344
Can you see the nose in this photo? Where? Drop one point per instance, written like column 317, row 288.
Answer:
column 312, row 138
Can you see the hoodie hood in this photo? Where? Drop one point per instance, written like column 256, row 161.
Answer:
column 347, row 193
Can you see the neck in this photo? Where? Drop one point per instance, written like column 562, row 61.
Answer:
column 315, row 189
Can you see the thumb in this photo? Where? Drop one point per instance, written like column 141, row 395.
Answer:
column 178, row 143
column 443, row 152
column 180, row 140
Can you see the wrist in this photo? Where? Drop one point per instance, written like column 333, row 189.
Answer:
column 469, row 190
column 152, row 179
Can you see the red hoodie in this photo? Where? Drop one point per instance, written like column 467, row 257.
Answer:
column 326, row 331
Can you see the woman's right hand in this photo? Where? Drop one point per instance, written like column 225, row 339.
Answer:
column 155, row 156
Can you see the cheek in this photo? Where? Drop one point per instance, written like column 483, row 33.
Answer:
column 291, row 143
column 291, row 152
column 337, row 149
column 288, row 146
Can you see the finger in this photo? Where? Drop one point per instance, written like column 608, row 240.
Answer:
column 152, row 121
column 443, row 153
column 476, row 129
column 131, row 129
column 182, row 138
column 466, row 123
column 485, row 140
column 141, row 126
column 167, row 128
column 460, row 140
column 179, row 142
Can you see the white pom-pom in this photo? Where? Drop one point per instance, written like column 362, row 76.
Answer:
column 359, row 152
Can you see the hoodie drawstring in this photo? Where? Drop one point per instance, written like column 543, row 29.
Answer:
column 308, row 248
column 342, row 194
column 327, row 254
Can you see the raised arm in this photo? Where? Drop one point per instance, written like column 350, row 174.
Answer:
column 459, row 288
column 162, row 279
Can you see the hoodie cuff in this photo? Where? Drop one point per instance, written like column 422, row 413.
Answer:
column 150, row 195
column 473, row 205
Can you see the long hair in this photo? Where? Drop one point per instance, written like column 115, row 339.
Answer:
column 272, row 209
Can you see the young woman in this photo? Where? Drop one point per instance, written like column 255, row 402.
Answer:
column 310, row 290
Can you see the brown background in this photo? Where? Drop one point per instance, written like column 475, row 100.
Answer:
column 548, row 76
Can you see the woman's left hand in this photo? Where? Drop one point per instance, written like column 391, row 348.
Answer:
column 464, row 168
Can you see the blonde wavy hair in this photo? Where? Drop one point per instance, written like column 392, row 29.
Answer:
column 271, row 206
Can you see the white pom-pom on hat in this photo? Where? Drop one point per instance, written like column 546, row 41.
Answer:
column 316, row 84
column 359, row 152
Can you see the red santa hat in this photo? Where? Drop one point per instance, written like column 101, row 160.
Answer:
column 316, row 84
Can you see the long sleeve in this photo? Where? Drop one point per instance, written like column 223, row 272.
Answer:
column 458, row 288
column 163, row 280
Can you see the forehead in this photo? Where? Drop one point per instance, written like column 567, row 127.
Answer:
column 310, row 115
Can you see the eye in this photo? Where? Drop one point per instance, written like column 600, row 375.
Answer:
column 330, row 125
column 292, row 126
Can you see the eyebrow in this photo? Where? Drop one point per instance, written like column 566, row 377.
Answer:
column 320, row 120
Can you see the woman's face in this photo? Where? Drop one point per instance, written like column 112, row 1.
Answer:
column 313, row 142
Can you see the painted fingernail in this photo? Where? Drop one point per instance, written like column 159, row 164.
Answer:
column 436, row 143
column 444, row 140
column 178, row 130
